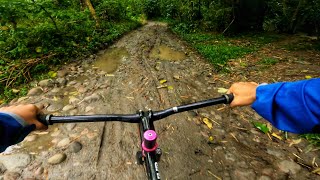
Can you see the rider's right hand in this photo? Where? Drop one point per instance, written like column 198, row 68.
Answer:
column 244, row 93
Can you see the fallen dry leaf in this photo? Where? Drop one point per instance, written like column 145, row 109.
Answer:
column 222, row 90
column 207, row 122
column 295, row 141
column 276, row 136
column 163, row 81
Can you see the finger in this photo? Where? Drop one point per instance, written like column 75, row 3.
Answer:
column 39, row 125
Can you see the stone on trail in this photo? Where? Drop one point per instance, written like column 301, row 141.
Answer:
column 89, row 108
column 244, row 174
column 75, row 147
column 62, row 81
column 30, row 138
column 64, row 142
column 15, row 162
column 74, row 100
column 93, row 97
column 264, row 178
column 289, row 166
column 57, row 158
column 35, row 91
column 55, row 107
column 68, row 107
column 11, row 176
column 46, row 83
column 62, row 73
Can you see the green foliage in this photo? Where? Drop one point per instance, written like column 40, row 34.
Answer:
column 269, row 61
column 47, row 33
column 219, row 54
column 215, row 47
column 293, row 16
column 313, row 139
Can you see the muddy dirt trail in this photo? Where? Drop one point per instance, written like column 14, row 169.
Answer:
column 130, row 76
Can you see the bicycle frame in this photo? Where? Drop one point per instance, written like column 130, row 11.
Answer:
column 150, row 153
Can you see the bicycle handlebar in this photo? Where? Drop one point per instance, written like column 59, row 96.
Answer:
column 134, row 118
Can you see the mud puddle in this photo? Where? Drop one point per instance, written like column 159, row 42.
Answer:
column 111, row 59
column 164, row 52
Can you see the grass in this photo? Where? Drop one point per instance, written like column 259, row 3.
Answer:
column 268, row 61
column 219, row 49
column 220, row 54
column 313, row 139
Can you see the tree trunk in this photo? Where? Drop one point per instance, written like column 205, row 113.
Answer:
column 249, row 15
column 294, row 23
column 92, row 11
column 14, row 24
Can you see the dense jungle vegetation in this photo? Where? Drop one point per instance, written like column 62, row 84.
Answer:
column 36, row 35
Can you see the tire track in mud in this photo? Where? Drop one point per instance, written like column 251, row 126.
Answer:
column 142, row 68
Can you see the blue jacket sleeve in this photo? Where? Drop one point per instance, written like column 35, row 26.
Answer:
column 13, row 129
column 290, row 106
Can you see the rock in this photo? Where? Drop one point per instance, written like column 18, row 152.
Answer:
column 35, row 91
column 82, row 89
column 55, row 90
column 267, row 171
column 14, row 162
column 56, row 133
column 74, row 100
column 39, row 171
column 75, row 146
column 62, row 81
column 256, row 139
column 289, row 166
column 73, row 68
column 275, row 153
column 57, row 158
column 54, row 107
column 229, row 157
column 55, row 140
column 92, row 98
column 88, row 109
column 62, row 73
column 64, row 142
column 242, row 164
column 68, row 107
column 70, row 126
column 46, row 83
column 210, row 161
column 22, row 99
column 11, row 176
column 72, row 83
column 30, row 138
column 244, row 174
column 264, row 178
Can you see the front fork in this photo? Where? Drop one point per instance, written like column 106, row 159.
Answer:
column 150, row 152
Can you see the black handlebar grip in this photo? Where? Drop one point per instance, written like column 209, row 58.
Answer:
column 229, row 98
column 44, row 119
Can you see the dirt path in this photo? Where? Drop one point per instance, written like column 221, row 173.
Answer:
column 236, row 150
